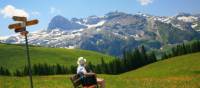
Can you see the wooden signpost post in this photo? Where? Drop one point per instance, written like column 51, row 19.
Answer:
column 21, row 27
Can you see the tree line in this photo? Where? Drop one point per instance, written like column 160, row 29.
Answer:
column 131, row 59
column 182, row 49
column 4, row 71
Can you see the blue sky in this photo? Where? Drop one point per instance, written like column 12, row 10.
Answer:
column 44, row 10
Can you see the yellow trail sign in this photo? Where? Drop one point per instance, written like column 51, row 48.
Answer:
column 15, row 26
column 20, row 27
column 32, row 22
column 17, row 18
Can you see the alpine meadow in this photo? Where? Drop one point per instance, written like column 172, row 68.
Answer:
column 99, row 44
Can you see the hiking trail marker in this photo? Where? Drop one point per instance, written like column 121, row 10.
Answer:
column 21, row 27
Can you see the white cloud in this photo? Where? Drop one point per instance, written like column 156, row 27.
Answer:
column 145, row 2
column 9, row 11
column 54, row 10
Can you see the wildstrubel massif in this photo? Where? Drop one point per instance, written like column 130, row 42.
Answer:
column 115, row 32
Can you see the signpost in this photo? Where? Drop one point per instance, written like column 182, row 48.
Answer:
column 21, row 27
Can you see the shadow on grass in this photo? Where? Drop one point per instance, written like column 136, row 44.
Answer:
column 196, row 72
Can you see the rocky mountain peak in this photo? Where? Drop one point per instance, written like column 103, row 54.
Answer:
column 60, row 22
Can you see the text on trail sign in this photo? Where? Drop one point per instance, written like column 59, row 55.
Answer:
column 20, row 27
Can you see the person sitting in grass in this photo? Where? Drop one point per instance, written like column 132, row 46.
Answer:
column 81, row 69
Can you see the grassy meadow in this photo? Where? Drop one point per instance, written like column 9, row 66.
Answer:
column 14, row 57
column 178, row 72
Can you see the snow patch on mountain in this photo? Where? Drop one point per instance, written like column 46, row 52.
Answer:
column 96, row 25
column 142, row 14
column 194, row 25
column 187, row 18
column 163, row 19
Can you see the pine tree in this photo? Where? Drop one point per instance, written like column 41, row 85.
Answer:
column 18, row 73
column 129, row 60
column 143, row 55
column 118, row 66
column 1, row 71
column 184, row 49
column 164, row 56
column 107, row 68
column 114, row 67
column 7, row 72
column 98, row 69
column 66, row 70
column 73, row 69
column 26, row 71
column 198, row 45
column 90, row 67
column 58, row 69
column 138, row 60
column 152, row 57
column 4, row 71
column 103, row 66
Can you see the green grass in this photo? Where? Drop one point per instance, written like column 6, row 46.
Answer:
column 177, row 66
column 177, row 72
column 14, row 57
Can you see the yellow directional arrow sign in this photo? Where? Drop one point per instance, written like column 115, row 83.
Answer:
column 17, row 18
column 20, row 27
column 15, row 26
column 32, row 22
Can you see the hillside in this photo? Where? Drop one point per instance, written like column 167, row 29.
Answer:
column 176, row 66
column 13, row 56
column 177, row 72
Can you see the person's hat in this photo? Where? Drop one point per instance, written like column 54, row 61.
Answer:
column 81, row 61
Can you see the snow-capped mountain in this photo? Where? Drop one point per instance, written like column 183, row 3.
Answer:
column 114, row 32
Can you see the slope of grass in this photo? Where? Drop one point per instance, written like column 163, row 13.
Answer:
column 177, row 66
column 177, row 72
column 13, row 56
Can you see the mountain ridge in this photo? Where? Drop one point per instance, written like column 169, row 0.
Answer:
column 115, row 31
column 60, row 22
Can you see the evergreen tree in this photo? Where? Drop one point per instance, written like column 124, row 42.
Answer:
column 26, row 71
column 7, row 72
column 138, row 60
column 1, row 71
column 98, row 69
column 118, row 66
column 4, row 71
column 18, row 73
column 152, row 57
column 184, row 50
column 129, row 60
column 73, row 69
column 58, row 69
column 103, row 66
column 144, row 58
column 164, row 56
column 90, row 67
